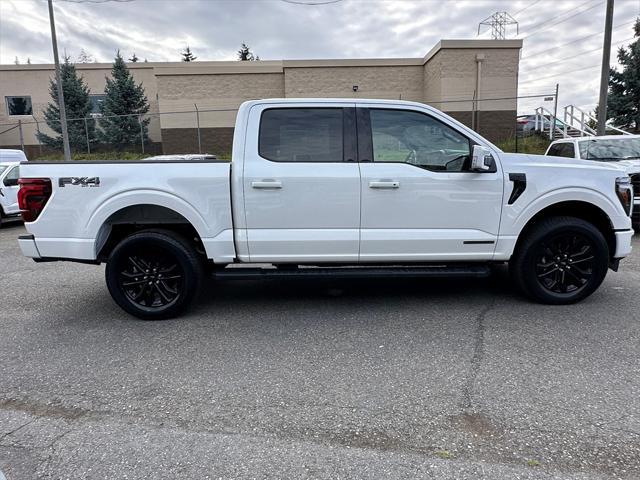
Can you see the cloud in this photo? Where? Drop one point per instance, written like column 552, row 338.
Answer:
column 158, row 30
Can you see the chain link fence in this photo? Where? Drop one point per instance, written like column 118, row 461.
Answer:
column 125, row 136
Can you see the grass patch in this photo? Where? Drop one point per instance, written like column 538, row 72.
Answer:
column 102, row 156
column 533, row 144
column 533, row 463
column 445, row 454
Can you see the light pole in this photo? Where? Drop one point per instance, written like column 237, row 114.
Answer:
column 604, row 73
column 63, row 113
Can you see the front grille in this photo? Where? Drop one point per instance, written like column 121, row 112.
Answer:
column 635, row 181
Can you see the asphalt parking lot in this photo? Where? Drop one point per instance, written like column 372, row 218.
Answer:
column 367, row 379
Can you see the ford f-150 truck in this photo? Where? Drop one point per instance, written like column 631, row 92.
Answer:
column 321, row 187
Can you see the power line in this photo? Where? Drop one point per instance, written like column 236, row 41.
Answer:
column 319, row 2
column 528, row 6
column 535, row 54
column 580, row 53
column 562, row 21
column 562, row 73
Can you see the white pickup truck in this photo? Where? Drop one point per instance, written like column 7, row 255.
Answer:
column 322, row 187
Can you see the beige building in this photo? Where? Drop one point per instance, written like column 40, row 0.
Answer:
column 449, row 77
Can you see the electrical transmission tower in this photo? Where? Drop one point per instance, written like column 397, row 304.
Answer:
column 498, row 23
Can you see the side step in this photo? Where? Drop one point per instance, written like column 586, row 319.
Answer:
column 439, row 271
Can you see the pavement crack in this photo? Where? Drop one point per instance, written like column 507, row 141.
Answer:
column 8, row 434
column 476, row 359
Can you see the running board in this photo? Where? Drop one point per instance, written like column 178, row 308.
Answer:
column 475, row 271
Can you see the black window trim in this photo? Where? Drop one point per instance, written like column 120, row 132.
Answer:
column 6, row 106
column 349, row 144
column 365, row 139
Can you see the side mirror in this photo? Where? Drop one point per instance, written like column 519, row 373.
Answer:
column 10, row 182
column 479, row 159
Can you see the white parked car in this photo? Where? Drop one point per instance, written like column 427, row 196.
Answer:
column 329, row 187
column 9, row 175
column 8, row 155
column 624, row 150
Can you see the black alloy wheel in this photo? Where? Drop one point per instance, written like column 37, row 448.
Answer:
column 560, row 260
column 154, row 274
column 565, row 263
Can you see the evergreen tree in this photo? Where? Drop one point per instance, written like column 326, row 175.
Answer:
column 246, row 55
column 123, row 104
column 134, row 58
column 16, row 60
column 28, row 60
column 624, row 87
column 77, row 106
column 188, row 56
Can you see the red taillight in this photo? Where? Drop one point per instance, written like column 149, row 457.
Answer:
column 33, row 196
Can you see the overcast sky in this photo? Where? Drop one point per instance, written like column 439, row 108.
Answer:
column 277, row 29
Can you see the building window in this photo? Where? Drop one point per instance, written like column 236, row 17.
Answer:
column 96, row 104
column 19, row 105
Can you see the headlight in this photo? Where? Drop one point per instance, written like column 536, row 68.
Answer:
column 624, row 190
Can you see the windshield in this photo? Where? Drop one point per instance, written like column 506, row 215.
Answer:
column 3, row 168
column 611, row 150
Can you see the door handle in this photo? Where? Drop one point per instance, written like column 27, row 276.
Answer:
column 384, row 184
column 266, row 184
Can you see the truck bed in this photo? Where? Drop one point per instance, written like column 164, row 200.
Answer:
column 85, row 195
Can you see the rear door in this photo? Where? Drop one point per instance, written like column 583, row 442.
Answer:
column 301, row 183
column 420, row 202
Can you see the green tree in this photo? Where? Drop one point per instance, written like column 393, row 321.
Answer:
column 188, row 56
column 246, row 55
column 77, row 107
column 624, row 87
column 123, row 107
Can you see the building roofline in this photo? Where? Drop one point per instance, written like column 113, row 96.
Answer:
column 277, row 66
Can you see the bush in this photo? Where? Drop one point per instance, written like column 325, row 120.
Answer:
column 534, row 144
column 102, row 156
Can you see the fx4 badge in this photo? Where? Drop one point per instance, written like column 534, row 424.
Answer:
column 81, row 181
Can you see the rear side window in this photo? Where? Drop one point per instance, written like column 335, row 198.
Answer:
column 562, row 150
column 301, row 135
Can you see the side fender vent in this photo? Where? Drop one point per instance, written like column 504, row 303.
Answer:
column 519, row 186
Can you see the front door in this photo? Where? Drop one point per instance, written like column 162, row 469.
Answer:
column 302, row 184
column 9, row 191
column 420, row 202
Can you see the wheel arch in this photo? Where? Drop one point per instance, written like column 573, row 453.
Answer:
column 581, row 209
column 133, row 218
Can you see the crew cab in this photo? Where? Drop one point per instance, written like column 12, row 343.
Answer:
column 321, row 187
column 624, row 150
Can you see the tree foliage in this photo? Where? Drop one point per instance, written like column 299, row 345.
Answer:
column 246, row 55
column 77, row 107
column 134, row 58
column 624, row 87
column 188, row 56
column 84, row 57
column 123, row 108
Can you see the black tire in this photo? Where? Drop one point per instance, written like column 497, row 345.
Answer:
column 154, row 274
column 561, row 260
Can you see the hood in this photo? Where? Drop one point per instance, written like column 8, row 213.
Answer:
column 631, row 166
column 512, row 161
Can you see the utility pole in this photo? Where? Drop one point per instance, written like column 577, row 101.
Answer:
column 63, row 113
column 555, row 112
column 604, row 73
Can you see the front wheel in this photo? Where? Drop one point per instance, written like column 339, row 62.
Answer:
column 562, row 260
column 154, row 274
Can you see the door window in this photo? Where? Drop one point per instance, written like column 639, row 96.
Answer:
column 418, row 139
column 302, row 135
column 12, row 177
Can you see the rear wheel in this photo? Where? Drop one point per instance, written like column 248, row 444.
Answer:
column 562, row 260
column 154, row 274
